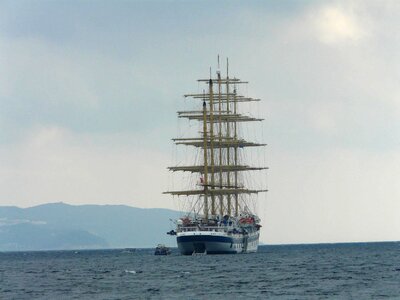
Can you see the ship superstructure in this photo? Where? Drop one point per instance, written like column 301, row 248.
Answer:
column 219, row 219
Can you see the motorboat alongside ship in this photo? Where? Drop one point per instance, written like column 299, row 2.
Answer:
column 161, row 249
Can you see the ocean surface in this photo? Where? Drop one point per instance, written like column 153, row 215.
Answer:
column 325, row 271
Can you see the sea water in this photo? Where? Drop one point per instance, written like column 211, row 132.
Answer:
column 325, row 271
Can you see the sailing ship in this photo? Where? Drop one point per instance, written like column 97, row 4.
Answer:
column 219, row 219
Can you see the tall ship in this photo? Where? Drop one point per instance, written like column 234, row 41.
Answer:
column 219, row 216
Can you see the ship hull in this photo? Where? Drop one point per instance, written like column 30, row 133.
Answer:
column 206, row 242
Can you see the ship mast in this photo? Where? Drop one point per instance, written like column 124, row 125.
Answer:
column 221, row 203
column 205, row 178
column 228, row 156
column 236, row 152
column 211, row 97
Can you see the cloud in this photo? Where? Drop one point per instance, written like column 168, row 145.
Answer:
column 47, row 74
column 90, row 106
column 336, row 196
column 335, row 25
column 319, row 92
column 53, row 164
column 84, row 90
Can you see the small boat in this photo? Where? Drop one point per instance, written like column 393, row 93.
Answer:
column 129, row 250
column 162, row 250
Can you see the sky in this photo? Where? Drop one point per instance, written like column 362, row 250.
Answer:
column 89, row 92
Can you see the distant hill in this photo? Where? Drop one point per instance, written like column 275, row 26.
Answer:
column 61, row 226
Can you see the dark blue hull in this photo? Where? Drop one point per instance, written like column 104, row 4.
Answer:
column 214, row 243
